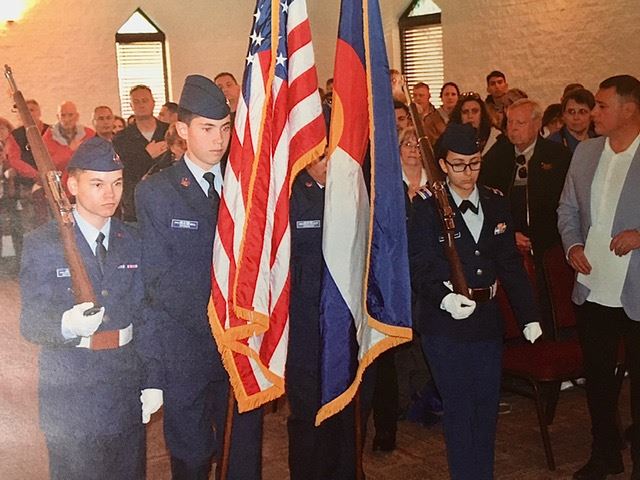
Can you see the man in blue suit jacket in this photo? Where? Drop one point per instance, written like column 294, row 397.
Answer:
column 462, row 335
column 177, row 213
column 599, row 224
column 91, row 366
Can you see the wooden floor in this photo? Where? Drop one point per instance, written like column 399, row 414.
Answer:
column 420, row 453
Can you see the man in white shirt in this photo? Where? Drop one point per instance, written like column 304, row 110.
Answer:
column 598, row 222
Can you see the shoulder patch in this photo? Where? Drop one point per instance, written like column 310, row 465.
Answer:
column 424, row 192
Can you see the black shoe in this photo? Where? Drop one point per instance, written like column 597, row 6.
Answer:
column 384, row 443
column 598, row 469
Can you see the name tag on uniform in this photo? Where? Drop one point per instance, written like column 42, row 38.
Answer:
column 62, row 272
column 308, row 224
column 455, row 235
column 184, row 224
column 500, row 228
column 127, row 266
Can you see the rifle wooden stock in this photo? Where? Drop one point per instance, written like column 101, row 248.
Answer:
column 51, row 180
column 437, row 185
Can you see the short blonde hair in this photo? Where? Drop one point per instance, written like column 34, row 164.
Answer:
column 536, row 109
column 405, row 133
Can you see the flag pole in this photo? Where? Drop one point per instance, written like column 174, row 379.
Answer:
column 226, row 442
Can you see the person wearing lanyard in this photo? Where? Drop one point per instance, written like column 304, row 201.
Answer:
column 91, row 372
column 462, row 335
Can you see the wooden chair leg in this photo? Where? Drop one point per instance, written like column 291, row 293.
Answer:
column 542, row 422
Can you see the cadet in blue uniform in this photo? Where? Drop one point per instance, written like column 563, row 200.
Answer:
column 91, row 372
column 177, row 213
column 326, row 452
column 462, row 338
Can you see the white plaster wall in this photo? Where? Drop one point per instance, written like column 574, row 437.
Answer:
column 64, row 49
column 541, row 45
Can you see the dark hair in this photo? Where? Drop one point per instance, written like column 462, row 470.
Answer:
column 171, row 136
column 118, row 117
column 186, row 116
column 421, row 85
column 449, row 84
column 494, row 74
column 397, row 104
column 551, row 113
column 581, row 96
column 626, row 86
column 171, row 106
column 225, row 74
column 485, row 120
column 135, row 88
column 571, row 86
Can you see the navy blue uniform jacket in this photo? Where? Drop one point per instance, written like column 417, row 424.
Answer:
column 177, row 223
column 494, row 257
column 306, row 214
column 84, row 392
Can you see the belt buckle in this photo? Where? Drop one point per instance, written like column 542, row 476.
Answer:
column 105, row 340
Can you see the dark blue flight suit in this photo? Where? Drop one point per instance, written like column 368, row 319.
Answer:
column 90, row 410
column 328, row 451
column 465, row 355
column 177, row 223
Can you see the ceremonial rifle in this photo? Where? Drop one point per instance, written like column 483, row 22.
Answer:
column 437, row 186
column 51, row 180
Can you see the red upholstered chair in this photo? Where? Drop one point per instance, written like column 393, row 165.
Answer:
column 537, row 370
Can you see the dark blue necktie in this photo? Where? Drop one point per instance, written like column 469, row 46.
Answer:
column 101, row 252
column 211, row 192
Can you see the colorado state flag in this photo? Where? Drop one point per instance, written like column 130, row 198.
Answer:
column 366, row 298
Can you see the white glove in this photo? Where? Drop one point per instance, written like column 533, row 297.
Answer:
column 459, row 306
column 151, row 399
column 76, row 324
column 532, row 331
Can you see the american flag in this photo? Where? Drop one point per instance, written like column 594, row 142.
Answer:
column 279, row 129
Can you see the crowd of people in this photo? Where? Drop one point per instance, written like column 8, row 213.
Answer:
column 520, row 179
column 564, row 174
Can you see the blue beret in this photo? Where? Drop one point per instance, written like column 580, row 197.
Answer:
column 96, row 154
column 203, row 97
column 459, row 138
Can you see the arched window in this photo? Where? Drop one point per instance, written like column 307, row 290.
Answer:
column 421, row 44
column 142, row 59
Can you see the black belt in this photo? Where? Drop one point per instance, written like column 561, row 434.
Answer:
column 481, row 295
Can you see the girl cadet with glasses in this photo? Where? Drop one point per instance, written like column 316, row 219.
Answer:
column 462, row 334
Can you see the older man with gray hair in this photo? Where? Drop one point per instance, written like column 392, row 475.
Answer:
column 530, row 170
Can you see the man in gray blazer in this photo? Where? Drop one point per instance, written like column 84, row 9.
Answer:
column 599, row 223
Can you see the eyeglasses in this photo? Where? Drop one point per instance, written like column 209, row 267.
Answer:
column 522, row 167
column 461, row 167
column 410, row 145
